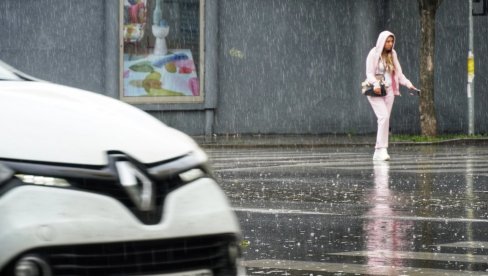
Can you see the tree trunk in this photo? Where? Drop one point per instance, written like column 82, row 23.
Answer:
column 428, row 120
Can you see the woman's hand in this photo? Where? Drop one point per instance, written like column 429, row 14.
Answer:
column 411, row 87
column 377, row 90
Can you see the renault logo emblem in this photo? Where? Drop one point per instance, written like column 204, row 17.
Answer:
column 137, row 185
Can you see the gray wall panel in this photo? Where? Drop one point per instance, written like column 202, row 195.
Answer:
column 481, row 71
column 194, row 122
column 293, row 66
column 56, row 40
column 450, row 73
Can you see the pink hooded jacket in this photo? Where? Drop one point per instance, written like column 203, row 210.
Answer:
column 372, row 64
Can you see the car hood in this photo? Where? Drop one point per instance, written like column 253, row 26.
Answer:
column 46, row 122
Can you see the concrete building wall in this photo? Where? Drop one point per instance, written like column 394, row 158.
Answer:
column 302, row 62
column 480, row 25
column 274, row 66
column 294, row 66
column 56, row 40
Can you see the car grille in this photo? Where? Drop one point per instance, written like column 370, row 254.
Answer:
column 104, row 180
column 142, row 257
column 112, row 189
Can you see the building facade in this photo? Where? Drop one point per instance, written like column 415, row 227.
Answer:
column 247, row 66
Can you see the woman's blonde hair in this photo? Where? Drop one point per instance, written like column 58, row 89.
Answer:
column 388, row 61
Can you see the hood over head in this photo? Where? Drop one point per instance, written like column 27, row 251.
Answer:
column 380, row 43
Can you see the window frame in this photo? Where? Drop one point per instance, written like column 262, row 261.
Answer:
column 151, row 100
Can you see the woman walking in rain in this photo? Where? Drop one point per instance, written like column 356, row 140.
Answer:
column 382, row 66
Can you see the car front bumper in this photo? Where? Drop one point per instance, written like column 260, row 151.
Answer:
column 40, row 217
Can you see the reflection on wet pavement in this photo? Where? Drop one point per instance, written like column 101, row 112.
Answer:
column 385, row 238
column 333, row 211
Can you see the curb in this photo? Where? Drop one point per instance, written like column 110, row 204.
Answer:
column 276, row 142
column 461, row 141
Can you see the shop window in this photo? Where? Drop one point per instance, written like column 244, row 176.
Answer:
column 161, row 51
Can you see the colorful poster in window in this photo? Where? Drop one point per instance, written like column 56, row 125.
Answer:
column 161, row 53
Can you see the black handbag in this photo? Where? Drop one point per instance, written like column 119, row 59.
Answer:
column 370, row 91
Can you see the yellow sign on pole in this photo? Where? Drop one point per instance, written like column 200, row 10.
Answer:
column 470, row 66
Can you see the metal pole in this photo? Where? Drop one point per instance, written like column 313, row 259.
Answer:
column 471, row 73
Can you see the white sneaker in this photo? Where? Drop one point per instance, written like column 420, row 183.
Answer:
column 381, row 155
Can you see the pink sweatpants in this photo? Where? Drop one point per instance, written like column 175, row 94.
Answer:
column 382, row 108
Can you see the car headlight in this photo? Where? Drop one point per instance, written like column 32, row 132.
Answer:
column 6, row 174
column 43, row 180
column 186, row 163
column 142, row 188
column 192, row 174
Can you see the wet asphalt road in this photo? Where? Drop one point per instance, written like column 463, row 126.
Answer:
column 333, row 211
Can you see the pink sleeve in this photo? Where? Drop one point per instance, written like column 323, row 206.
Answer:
column 371, row 68
column 401, row 77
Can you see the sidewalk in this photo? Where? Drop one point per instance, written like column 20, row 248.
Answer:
column 244, row 141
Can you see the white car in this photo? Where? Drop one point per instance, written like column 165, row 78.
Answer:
column 93, row 186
